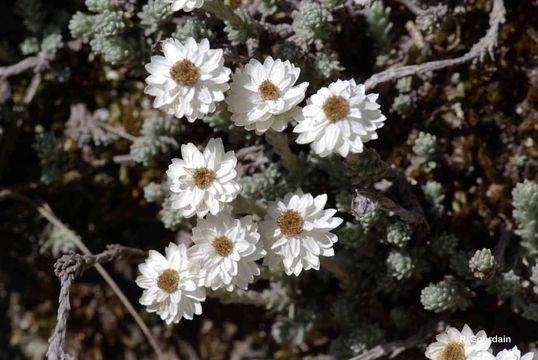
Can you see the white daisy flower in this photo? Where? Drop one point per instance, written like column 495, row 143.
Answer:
column 225, row 250
column 263, row 96
column 296, row 232
column 188, row 80
column 455, row 345
column 203, row 182
column 339, row 118
column 513, row 354
column 170, row 289
column 185, row 5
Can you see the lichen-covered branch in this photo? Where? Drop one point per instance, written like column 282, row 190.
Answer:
column 478, row 51
column 69, row 267
column 45, row 211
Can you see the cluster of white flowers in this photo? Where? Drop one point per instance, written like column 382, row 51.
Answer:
column 191, row 78
column 293, row 235
column 453, row 344
column 188, row 81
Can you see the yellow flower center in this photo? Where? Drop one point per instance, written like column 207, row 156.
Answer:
column 168, row 280
column 290, row 222
column 453, row 351
column 268, row 90
column 184, row 73
column 335, row 108
column 203, row 177
column 222, row 245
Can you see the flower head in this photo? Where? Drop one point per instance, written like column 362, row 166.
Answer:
column 170, row 289
column 225, row 250
column 455, row 345
column 185, row 5
column 339, row 118
column 264, row 96
column 188, row 80
column 203, row 182
column 513, row 354
column 296, row 232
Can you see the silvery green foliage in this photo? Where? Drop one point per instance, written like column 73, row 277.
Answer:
column 426, row 150
column 105, row 30
column 351, row 235
column 30, row 46
column 260, row 188
column 114, row 50
column 52, row 157
column 109, row 23
column 379, row 27
column 365, row 168
column 525, row 202
column 333, row 4
column 534, row 278
column 312, row 22
column 54, row 240
column 220, row 120
column 326, row 65
column 99, row 5
column 447, row 294
column 280, row 143
column 405, row 101
column 365, row 336
column 238, row 32
column 80, row 25
column 445, row 244
column 153, row 14
column 343, row 201
column 154, row 193
column 266, row 7
column 505, row 285
column 398, row 234
column 275, row 297
column 370, row 218
column 32, row 13
column 159, row 135
column 192, row 27
column 482, row 264
column 171, row 218
column 400, row 265
column 51, row 44
column 434, row 194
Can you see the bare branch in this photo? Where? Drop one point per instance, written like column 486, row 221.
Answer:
column 394, row 348
column 478, row 51
column 36, row 63
column 45, row 211
column 67, row 268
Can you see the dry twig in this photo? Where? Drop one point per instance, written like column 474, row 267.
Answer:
column 45, row 211
column 478, row 51
column 394, row 348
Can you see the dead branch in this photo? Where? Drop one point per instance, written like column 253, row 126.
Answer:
column 394, row 348
column 478, row 51
column 35, row 63
column 67, row 268
column 45, row 211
